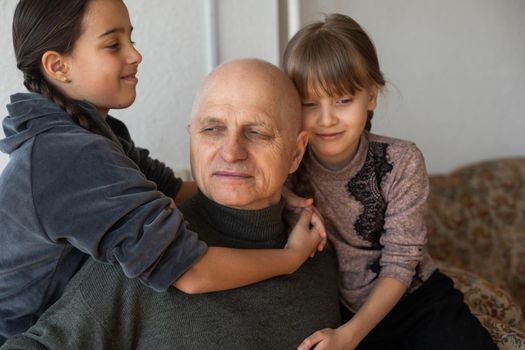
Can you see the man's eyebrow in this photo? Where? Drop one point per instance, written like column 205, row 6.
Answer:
column 210, row 119
column 261, row 121
column 114, row 30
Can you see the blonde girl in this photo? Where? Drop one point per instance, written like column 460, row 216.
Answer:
column 372, row 191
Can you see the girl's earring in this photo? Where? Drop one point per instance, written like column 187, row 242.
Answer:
column 66, row 80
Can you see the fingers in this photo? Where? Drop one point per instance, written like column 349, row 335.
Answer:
column 314, row 232
column 305, row 218
column 304, row 238
column 312, row 340
column 318, row 222
column 303, row 202
column 294, row 201
column 299, row 202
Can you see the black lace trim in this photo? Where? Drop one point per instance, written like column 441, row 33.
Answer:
column 365, row 187
column 375, row 266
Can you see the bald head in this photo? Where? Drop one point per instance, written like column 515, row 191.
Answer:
column 242, row 80
column 245, row 134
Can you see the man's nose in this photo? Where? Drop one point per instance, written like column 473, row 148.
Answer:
column 234, row 148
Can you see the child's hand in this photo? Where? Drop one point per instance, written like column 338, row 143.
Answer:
column 293, row 201
column 295, row 205
column 328, row 339
column 305, row 236
column 317, row 221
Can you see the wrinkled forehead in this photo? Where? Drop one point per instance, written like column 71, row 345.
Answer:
column 237, row 116
column 236, row 101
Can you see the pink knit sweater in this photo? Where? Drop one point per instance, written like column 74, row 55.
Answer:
column 374, row 210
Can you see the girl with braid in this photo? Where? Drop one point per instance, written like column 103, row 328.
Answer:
column 76, row 186
column 372, row 191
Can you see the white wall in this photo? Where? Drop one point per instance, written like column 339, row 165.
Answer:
column 171, row 39
column 248, row 28
column 172, row 36
column 10, row 78
column 457, row 70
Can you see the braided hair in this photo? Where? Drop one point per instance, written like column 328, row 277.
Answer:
column 48, row 25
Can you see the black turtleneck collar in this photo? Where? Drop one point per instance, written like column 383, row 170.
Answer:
column 263, row 228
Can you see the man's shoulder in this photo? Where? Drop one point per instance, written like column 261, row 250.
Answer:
column 102, row 287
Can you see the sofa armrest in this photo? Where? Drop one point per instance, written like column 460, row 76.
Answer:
column 493, row 306
column 476, row 221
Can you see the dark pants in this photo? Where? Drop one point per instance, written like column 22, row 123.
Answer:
column 433, row 317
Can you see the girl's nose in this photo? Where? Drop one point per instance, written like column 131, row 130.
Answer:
column 134, row 56
column 326, row 117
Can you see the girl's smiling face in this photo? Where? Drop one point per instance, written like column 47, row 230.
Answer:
column 103, row 65
column 335, row 124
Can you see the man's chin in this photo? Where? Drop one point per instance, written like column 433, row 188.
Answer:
column 244, row 200
column 232, row 201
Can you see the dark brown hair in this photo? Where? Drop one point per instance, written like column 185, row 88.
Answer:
column 48, row 25
column 335, row 56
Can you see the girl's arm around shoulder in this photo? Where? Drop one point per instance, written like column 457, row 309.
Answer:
column 226, row 268
column 88, row 193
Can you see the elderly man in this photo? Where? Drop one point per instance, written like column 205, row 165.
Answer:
column 245, row 140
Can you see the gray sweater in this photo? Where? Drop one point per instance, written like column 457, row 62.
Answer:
column 374, row 208
column 102, row 309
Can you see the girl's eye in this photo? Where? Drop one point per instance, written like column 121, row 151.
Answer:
column 344, row 100
column 308, row 104
column 114, row 46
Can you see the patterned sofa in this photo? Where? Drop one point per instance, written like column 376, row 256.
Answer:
column 476, row 232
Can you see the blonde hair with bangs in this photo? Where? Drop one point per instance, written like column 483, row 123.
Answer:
column 333, row 57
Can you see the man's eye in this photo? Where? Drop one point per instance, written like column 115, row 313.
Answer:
column 254, row 134
column 212, row 129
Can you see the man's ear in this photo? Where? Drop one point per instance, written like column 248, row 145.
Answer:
column 373, row 91
column 55, row 66
column 300, row 147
